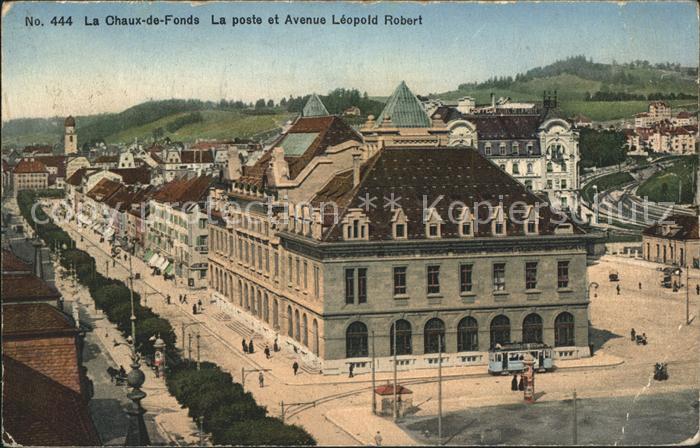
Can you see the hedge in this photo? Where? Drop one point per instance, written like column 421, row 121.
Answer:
column 231, row 415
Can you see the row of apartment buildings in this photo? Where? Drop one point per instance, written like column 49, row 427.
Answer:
column 658, row 130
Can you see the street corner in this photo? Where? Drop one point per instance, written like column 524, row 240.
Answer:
column 362, row 425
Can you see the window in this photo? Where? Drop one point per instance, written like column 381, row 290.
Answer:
column 362, row 285
column 502, row 148
column 564, row 330
column 260, row 258
column 467, row 335
column 516, row 168
column 487, row 148
column 550, row 185
column 433, row 230
column 317, row 282
column 499, row 277
column 400, row 231
column 500, row 330
column 465, row 278
column 528, row 184
column 500, row 228
column 550, row 167
column 563, row 274
column 402, row 342
column 399, row 280
column 433, row 279
column 563, row 184
column 531, row 227
column 277, row 264
column 290, row 267
column 356, row 340
column 297, row 272
column 467, row 228
column 531, row 275
column 252, row 254
column 529, row 168
column 349, row 286
column 515, row 148
column 532, row 328
column 434, row 336
column 306, row 275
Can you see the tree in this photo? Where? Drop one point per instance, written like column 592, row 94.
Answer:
column 259, row 104
column 270, row 103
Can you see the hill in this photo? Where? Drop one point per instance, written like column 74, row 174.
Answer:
column 182, row 120
column 581, row 84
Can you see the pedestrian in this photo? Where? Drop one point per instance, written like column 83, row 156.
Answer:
column 261, row 379
column 194, row 308
column 275, row 347
column 167, row 299
column 122, row 372
column 514, row 383
column 618, row 290
column 114, row 263
column 633, row 334
column 295, row 367
column 697, row 289
column 350, row 370
column 267, row 352
column 640, row 286
column 378, row 439
column 179, row 298
column 199, row 304
column 251, row 349
column 245, row 346
column 521, row 386
column 184, row 298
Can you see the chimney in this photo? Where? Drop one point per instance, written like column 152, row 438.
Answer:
column 38, row 268
column 493, row 101
column 356, row 169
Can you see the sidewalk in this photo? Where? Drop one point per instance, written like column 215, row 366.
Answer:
column 365, row 425
column 172, row 420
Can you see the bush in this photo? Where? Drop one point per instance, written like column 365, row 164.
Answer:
column 266, row 431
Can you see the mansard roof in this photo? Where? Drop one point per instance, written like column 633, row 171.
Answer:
column 684, row 227
column 326, row 131
column 495, row 126
column 314, row 107
column 404, row 110
column 409, row 175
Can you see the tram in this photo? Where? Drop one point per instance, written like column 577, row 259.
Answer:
column 508, row 358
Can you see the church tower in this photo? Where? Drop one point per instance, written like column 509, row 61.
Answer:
column 70, row 144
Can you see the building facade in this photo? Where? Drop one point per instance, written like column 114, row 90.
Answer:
column 30, row 174
column 328, row 273
column 675, row 242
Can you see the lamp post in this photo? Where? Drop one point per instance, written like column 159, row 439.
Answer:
column 137, row 435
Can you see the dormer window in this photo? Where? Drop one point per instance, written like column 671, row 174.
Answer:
column 487, row 148
column 355, row 225
column 466, row 223
column 530, row 148
column 399, row 224
column 498, row 222
column 515, row 148
column 433, row 224
column 502, row 148
column 531, row 224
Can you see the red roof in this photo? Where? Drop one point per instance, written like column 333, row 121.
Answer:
column 388, row 389
column 684, row 114
column 26, row 166
column 59, row 162
column 34, row 319
column 12, row 264
column 26, row 288
column 133, row 176
column 184, row 190
column 40, row 149
column 198, row 156
column 104, row 189
column 38, row 411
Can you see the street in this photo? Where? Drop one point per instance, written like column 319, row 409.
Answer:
column 655, row 311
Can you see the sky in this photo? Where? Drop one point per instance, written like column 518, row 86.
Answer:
column 51, row 70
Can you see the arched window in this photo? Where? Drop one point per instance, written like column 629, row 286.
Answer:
column 240, row 294
column 434, row 336
column 290, row 322
column 247, row 302
column 316, row 337
column 532, row 328
column 564, row 330
column 356, row 340
column 403, row 338
column 467, row 335
column 500, row 330
column 266, row 308
column 275, row 314
column 297, row 326
column 550, row 167
column 529, row 168
column 305, row 330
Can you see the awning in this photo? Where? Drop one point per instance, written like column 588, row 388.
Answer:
column 169, row 269
column 109, row 232
column 153, row 259
column 147, row 256
column 163, row 265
